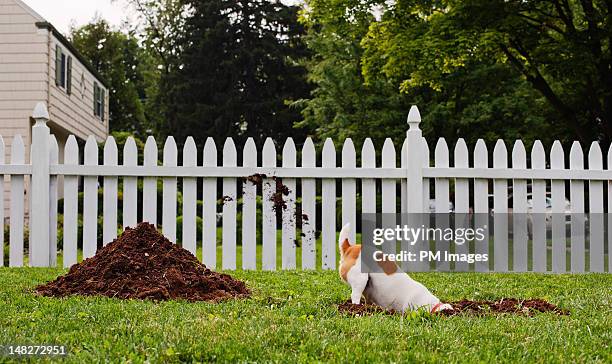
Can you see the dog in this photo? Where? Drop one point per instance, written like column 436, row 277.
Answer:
column 392, row 290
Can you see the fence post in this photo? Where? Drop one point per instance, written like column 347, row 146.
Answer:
column 414, row 163
column 415, row 153
column 39, row 206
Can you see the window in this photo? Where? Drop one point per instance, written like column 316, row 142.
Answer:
column 98, row 101
column 63, row 70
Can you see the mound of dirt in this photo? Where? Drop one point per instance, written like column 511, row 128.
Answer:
column 504, row 305
column 143, row 264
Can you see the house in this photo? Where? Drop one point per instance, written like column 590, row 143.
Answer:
column 37, row 63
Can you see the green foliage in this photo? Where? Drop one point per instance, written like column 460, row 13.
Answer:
column 235, row 74
column 556, row 52
column 343, row 105
column 123, row 64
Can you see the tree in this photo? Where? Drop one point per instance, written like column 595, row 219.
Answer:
column 122, row 63
column 238, row 70
column 356, row 95
column 342, row 105
column 561, row 48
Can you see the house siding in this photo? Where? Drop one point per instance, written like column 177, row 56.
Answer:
column 23, row 75
column 75, row 112
column 27, row 76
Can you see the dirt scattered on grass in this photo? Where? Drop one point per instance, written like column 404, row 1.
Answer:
column 362, row 309
column 504, row 305
column 143, row 264
column 478, row 308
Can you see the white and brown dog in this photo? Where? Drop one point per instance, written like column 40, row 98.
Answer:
column 392, row 289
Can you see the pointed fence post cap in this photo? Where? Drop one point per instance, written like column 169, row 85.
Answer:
column 414, row 118
column 40, row 113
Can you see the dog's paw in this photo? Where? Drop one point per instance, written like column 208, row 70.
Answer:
column 445, row 306
column 442, row 307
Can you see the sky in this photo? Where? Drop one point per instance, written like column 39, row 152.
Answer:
column 63, row 13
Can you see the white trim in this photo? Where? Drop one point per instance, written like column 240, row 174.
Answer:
column 300, row 172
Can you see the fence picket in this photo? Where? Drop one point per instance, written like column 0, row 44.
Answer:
column 557, row 190
column 71, row 208
column 130, row 192
column 90, row 201
column 228, row 243
column 349, row 188
column 462, row 200
column 577, row 210
column 169, row 191
column 249, row 209
column 328, row 212
column 596, row 209
column 500, row 208
column 109, row 207
column 149, row 184
column 268, row 208
column 538, row 210
column 404, row 181
column 423, row 245
column 289, row 213
column 368, row 185
column 609, row 214
column 17, row 205
column 388, row 185
column 520, row 236
column 442, row 201
column 189, row 208
column 209, row 207
column 309, row 220
column 53, row 185
column 481, row 204
column 2, row 161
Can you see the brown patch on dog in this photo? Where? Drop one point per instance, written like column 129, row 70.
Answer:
column 349, row 259
column 388, row 266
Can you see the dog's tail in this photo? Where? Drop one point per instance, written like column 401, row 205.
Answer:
column 345, row 241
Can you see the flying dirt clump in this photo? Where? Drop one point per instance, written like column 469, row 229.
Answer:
column 143, row 264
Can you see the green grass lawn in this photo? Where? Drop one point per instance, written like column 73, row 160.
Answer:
column 292, row 317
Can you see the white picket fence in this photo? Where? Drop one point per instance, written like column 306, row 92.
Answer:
column 413, row 174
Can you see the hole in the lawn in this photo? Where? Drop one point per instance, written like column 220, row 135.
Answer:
column 516, row 306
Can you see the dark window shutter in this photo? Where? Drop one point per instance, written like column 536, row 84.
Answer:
column 63, row 72
column 95, row 98
column 69, row 76
column 58, row 65
column 102, row 101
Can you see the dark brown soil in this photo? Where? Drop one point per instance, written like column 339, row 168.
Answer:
column 255, row 179
column 479, row 308
column 225, row 199
column 278, row 197
column 143, row 264
column 504, row 305
column 362, row 309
